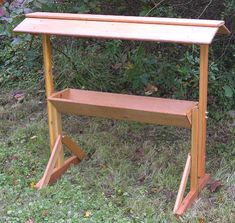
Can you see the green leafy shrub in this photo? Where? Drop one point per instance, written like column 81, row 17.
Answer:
column 120, row 65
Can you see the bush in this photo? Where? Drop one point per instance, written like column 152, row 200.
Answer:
column 171, row 69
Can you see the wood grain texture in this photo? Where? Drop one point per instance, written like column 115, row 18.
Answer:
column 73, row 147
column 51, row 163
column 183, row 184
column 194, row 151
column 187, row 202
column 203, row 85
column 58, row 172
column 128, row 19
column 54, row 117
column 119, row 30
column 192, row 195
column 121, row 106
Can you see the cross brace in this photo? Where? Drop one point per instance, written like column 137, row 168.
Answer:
column 51, row 173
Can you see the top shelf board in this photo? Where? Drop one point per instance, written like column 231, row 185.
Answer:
column 192, row 31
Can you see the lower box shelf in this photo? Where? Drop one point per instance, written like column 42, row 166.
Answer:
column 126, row 107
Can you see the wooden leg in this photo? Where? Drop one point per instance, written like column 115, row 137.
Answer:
column 196, row 183
column 51, row 173
column 183, row 183
column 55, row 129
column 192, row 195
column 54, row 117
column 204, row 51
column 194, row 151
column 51, row 164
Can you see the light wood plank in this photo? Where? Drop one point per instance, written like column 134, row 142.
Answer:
column 125, row 107
column 119, row 30
column 51, row 163
column 183, row 184
column 203, row 84
column 128, row 19
column 54, row 117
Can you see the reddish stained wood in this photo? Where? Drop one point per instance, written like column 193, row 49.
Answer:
column 188, row 200
column 194, row 151
column 203, row 85
column 127, row 107
column 73, row 147
column 192, row 195
column 58, row 172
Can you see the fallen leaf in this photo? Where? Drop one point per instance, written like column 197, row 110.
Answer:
column 202, row 220
column 117, row 66
column 130, row 65
column 33, row 185
column 215, row 185
column 150, row 89
column 139, row 154
column 154, row 190
column 45, row 212
column 103, row 166
column 19, row 96
column 14, row 181
column 141, row 179
column 87, row 214
column 33, row 137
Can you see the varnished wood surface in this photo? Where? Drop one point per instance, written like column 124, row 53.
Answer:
column 119, row 30
column 129, row 19
column 73, row 147
column 58, row 172
column 121, row 106
column 192, row 195
column 203, row 85
column 54, row 117
column 133, row 19
column 194, row 151
column 51, row 163
column 183, row 184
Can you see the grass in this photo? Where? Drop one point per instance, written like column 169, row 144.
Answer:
column 132, row 173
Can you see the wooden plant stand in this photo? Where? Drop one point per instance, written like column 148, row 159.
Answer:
column 181, row 113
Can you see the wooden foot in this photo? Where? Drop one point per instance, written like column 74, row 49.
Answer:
column 51, row 163
column 183, row 183
column 192, row 195
column 58, row 172
column 51, row 173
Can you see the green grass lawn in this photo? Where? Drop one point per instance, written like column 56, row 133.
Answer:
column 132, row 173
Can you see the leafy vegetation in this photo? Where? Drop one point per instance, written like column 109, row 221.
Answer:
column 119, row 65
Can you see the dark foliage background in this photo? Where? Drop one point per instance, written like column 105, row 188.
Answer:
column 166, row 70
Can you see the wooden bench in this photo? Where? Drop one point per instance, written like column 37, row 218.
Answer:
column 178, row 113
